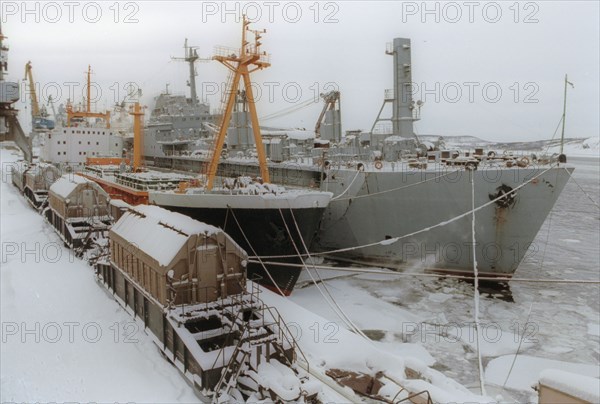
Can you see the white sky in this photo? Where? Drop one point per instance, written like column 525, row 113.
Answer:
column 349, row 52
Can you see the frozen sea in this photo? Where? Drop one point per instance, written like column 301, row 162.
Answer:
column 529, row 326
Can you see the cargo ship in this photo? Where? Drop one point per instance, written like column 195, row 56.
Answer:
column 399, row 201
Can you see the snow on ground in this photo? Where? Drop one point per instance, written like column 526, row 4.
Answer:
column 63, row 337
column 587, row 148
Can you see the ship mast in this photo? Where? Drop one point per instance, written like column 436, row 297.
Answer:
column 89, row 89
column 138, row 129
column 72, row 113
column 191, row 57
column 564, row 116
column 241, row 63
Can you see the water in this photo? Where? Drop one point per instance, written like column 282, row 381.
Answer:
column 551, row 320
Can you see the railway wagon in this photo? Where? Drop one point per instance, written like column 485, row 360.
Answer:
column 186, row 282
column 77, row 209
column 38, row 179
column 18, row 170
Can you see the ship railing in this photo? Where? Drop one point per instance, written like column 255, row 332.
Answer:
column 283, row 331
column 253, row 50
column 226, row 51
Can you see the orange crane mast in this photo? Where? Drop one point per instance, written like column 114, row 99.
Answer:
column 241, row 63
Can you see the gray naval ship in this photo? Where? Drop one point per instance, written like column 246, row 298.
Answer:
column 398, row 201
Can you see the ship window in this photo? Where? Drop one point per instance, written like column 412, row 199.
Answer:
column 80, row 153
column 64, row 142
column 80, row 142
column 97, row 143
column 88, row 142
column 65, row 131
column 116, row 144
column 58, row 142
column 85, row 153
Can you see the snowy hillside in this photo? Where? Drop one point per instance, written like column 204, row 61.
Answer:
column 579, row 147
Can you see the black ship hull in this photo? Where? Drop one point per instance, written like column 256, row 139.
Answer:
column 263, row 233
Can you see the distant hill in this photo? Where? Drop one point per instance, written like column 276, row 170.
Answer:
column 457, row 140
column 573, row 146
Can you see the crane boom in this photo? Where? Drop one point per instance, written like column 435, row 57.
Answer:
column 38, row 115
column 35, row 108
column 330, row 99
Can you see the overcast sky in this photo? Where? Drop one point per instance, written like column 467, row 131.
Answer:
column 463, row 53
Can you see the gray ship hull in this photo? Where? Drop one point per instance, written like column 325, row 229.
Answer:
column 370, row 210
column 372, row 205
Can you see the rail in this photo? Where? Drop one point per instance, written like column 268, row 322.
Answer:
column 281, row 327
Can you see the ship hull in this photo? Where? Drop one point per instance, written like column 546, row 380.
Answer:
column 372, row 205
column 425, row 205
column 259, row 228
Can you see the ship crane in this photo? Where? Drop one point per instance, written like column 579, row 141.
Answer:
column 331, row 99
column 39, row 115
column 241, row 62
column 191, row 57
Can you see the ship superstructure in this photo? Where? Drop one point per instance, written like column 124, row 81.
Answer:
column 85, row 134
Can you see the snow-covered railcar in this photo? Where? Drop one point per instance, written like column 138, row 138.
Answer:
column 38, row 180
column 186, row 282
column 77, row 209
column 18, row 170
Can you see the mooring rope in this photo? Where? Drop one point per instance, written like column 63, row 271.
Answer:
column 349, row 321
column 254, row 252
column 347, row 188
column 582, row 190
column 519, row 347
column 476, row 291
column 359, row 271
column 337, row 309
column 440, row 224
column 392, row 189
